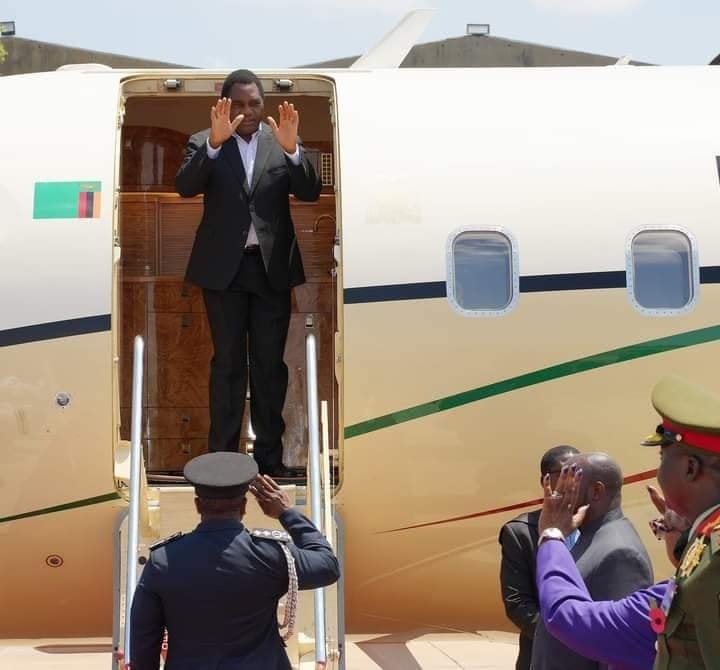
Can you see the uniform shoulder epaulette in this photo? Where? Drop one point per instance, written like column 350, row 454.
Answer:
column 271, row 534
column 167, row 540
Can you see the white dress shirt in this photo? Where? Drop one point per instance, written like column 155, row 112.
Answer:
column 248, row 152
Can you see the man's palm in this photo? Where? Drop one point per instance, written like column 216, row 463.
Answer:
column 286, row 132
column 221, row 128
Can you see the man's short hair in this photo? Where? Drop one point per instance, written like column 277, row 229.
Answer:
column 241, row 77
column 553, row 458
column 220, row 505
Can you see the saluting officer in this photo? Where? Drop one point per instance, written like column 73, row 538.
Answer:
column 688, row 618
column 216, row 589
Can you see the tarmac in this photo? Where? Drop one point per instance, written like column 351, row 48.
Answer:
column 418, row 650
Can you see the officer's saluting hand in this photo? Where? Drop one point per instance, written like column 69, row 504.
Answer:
column 216, row 589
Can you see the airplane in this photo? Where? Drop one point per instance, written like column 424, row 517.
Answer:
column 502, row 259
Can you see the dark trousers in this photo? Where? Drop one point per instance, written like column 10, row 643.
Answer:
column 524, row 653
column 249, row 324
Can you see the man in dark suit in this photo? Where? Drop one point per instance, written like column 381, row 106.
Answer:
column 216, row 589
column 609, row 555
column 518, row 539
column 245, row 257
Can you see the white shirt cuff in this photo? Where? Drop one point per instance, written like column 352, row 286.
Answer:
column 212, row 153
column 294, row 158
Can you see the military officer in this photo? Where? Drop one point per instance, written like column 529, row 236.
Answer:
column 688, row 619
column 216, row 589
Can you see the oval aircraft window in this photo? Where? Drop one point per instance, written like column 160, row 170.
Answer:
column 482, row 272
column 663, row 274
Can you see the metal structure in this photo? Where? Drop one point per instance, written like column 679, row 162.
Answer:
column 314, row 484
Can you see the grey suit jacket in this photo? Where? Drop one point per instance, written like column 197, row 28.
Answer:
column 613, row 562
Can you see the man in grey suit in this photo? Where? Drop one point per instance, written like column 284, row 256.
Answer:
column 609, row 555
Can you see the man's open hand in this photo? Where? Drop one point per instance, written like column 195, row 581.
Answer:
column 286, row 132
column 221, row 128
column 560, row 507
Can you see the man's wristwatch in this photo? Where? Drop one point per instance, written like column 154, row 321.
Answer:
column 551, row 534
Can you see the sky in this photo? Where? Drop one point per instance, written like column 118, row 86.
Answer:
column 283, row 33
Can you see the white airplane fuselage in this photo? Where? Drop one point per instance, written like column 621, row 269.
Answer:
column 443, row 415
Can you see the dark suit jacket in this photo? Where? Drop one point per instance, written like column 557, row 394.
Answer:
column 216, row 590
column 231, row 205
column 518, row 539
column 613, row 562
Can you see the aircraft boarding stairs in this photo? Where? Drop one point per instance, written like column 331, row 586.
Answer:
column 158, row 512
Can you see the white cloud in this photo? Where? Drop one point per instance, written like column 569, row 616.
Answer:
column 589, row 6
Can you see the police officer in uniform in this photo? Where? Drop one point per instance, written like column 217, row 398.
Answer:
column 216, row 590
column 688, row 618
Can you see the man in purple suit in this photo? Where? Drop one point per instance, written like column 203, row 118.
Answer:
column 620, row 632
column 609, row 555
column 677, row 619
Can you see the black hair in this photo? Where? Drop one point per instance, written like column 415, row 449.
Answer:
column 241, row 77
column 553, row 458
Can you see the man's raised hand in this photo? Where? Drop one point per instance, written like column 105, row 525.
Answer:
column 272, row 499
column 221, row 128
column 286, row 132
column 560, row 507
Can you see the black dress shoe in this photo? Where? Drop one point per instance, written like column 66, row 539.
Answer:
column 281, row 472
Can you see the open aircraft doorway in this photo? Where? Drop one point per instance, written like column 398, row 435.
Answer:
column 155, row 231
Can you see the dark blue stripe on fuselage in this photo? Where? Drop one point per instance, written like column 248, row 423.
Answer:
column 579, row 281
column 55, row 330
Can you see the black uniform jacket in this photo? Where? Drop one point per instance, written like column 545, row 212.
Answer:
column 231, row 204
column 216, row 590
column 519, row 539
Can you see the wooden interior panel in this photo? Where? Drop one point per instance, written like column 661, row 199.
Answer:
column 174, row 296
column 315, row 231
column 132, row 322
column 138, row 237
column 170, row 454
column 178, row 222
column 151, row 157
column 178, row 422
column 313, row 297
column 179, row 351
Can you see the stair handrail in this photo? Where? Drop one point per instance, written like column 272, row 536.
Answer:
column 135, row 484
column 315, row 485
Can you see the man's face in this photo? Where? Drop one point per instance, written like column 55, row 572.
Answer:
column 246, row 99
column 673, row 464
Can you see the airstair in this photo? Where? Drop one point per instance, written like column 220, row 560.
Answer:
column 155, row 512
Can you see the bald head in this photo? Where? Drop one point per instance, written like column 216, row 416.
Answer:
column 601, row 483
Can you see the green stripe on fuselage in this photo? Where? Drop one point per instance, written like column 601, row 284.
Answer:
column 640, row 350
column 107, row 497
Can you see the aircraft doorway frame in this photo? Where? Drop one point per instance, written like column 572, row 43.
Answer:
column 152, row 236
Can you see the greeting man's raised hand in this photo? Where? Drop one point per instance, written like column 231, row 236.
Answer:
column 286, row 132
column 221, row 128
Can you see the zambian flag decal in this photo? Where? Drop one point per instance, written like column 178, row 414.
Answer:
column 67, row 200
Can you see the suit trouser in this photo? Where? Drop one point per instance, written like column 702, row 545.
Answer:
column 249, row 324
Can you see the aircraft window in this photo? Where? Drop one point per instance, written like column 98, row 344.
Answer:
column 662, row 270
column 482, row 275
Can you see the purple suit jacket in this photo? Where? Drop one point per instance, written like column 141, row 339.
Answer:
column 614, row 632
